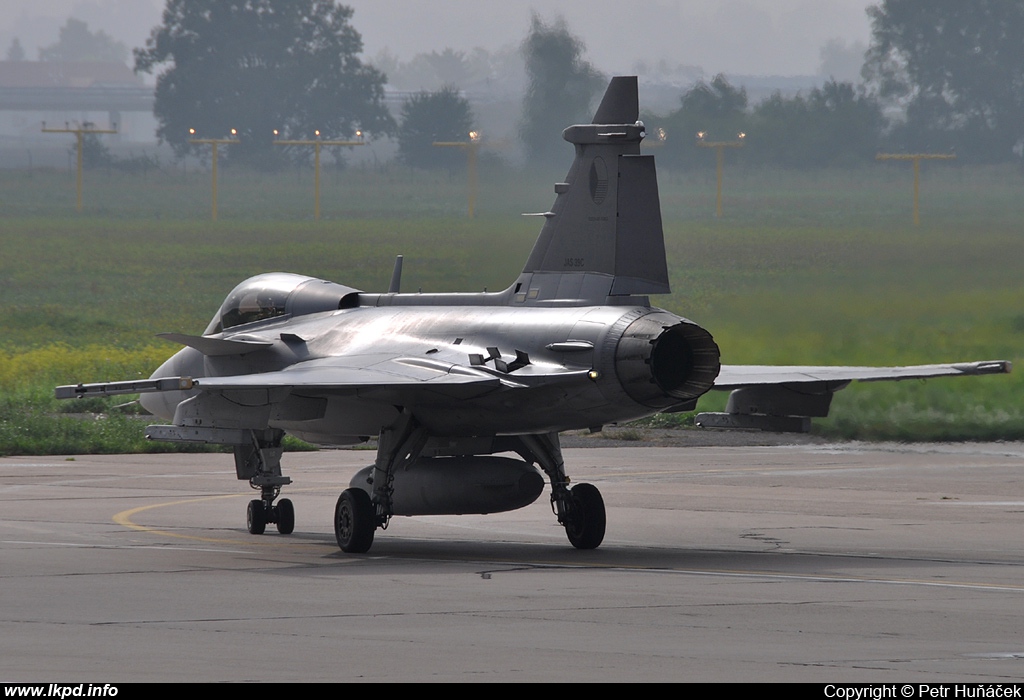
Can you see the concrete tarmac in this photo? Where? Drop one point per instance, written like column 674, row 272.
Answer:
column 823, row 563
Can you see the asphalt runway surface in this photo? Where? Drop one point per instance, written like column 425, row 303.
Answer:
column 814, row 562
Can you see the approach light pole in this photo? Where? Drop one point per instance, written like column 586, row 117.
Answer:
column 719, row 147
column 471, row 147
column 79, row 132
column 917, row 158
column 316, row 144
column 660, row 137
column 215, row 143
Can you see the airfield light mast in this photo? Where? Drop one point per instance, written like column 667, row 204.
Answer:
column 215, row 143
column 719, row 147
column 471, row 147
column 659, row 140
column 79, row 132
column 316, row 143
column 917, row 158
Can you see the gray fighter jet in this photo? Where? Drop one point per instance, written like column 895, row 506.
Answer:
column 448, row 381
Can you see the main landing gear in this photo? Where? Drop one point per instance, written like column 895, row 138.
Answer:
column 580, row 510
column 358, row 513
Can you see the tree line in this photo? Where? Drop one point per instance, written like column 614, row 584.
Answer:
column 832, row 125
column 939, row 76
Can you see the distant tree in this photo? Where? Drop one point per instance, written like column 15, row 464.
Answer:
column 848, row 125
column 779, row 130
column 414, row 75
column 832, row 126
column 717, row 108
column 434, row 116
column 956, row 68
column 840, row 61
column 260, row 65
column 95, row 153
column 505, row 69
column 716, row 101
column 561, row 87
column 450, row 66
column 432, row 71
column 76, row 44
column 387, row 63
column 15, row 52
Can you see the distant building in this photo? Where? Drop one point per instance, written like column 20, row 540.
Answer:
column 32, row 92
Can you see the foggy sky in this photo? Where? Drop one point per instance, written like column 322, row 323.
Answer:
column 753, row 37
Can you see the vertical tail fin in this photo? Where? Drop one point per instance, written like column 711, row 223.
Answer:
column 603, row 236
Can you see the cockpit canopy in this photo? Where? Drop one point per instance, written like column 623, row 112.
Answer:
column 280, row 294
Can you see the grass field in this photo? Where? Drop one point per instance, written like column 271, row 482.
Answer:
column 816, row 268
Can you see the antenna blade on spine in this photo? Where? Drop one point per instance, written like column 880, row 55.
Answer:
column 396, row 276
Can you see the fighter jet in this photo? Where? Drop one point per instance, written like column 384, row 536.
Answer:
column 448, row 382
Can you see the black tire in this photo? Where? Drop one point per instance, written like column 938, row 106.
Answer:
column 256, row 518
column 285, row 517
column 586, row 524
column 354, row 521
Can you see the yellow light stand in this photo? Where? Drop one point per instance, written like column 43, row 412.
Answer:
column 471, row 147
column 719, row 147
column 214, row 143
column 917, row 158
column 79, row 132
column 316, row 144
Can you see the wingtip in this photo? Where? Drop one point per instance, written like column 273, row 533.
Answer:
column 986, row 367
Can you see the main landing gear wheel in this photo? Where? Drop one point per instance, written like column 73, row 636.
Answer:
column 586, row 522
column 256, row 517
column 354, row 521
column 285, row 516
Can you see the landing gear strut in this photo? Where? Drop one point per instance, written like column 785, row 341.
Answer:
column 359, row 513
column 580, row 510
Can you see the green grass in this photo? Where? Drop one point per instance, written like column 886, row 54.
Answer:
column 818, row 268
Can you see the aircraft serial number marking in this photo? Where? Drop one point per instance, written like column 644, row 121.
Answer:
column 574, row 262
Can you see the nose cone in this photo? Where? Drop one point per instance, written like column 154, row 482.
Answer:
column 187, row 362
